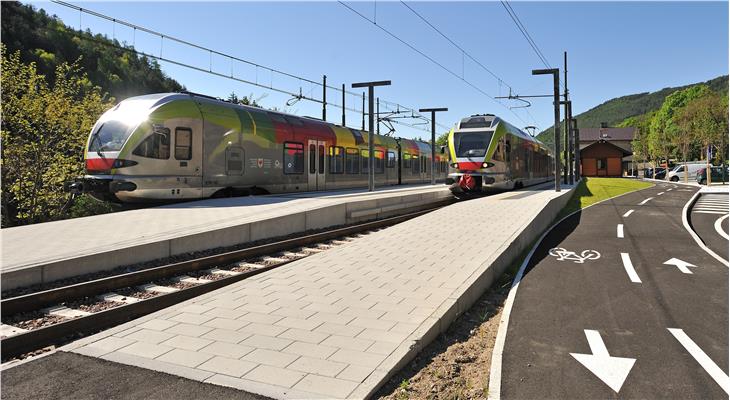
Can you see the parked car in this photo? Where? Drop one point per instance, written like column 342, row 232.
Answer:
column 660, row 173
column 678, row 173
column 718, row 174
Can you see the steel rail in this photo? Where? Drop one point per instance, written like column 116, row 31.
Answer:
column 35, row 339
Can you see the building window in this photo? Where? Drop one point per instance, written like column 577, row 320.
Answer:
column 352, row 161
column 337, row 160
column 183, row 143
column 379, row 162
column 293, row 158
column 391, row 159
column 601, row 163
column 156, row 145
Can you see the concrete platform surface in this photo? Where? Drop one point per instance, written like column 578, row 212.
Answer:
column 55, row 250
column 339, row 323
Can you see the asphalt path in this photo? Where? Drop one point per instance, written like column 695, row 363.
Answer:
column 704, row 214
column 71, row 376
column 624, row 311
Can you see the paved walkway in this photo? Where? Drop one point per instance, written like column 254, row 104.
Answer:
column 336, row 324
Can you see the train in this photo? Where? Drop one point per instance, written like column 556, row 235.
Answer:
column 170, row 147
column 486, row 151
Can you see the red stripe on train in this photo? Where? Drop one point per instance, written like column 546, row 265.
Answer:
column 470, row 166
column 99, row 164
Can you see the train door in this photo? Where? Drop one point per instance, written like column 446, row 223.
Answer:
column 187, row 144
column 316, row 168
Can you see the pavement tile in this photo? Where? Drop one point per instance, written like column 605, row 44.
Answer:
column 371, row 323
column 303, row 336
column 355, row 373
column 310, row 350
column 260, row 318
column 225, row 313
column 104, row 346
column 229, row 350
column 317, row 366
column 185, row 358
column 337, row 329
column 195, row 309
column 257, row 308
column 188, row 329
column 263, row 329
column 190, row 318
column 226, row 335
column 334, row 318
column 384, row 348
column 187, row 342
column 150, row 336
column 226, row 323
column 357, row 358
column 330, row 387
column 292, row 322
column 227, row 366
column 274, row 376
column 266, row 342
column 346, row 342
column 381, row 335
column 270, row 357
column 292, row 312
column 147, row 350
column 158, row 324
column 363, row 313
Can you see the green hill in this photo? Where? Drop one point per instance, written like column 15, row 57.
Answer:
column 616, row 110
column 46, row 41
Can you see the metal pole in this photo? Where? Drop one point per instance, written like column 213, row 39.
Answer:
column 556, row 103
column 324, row 97
column 569, row 143
column 363, row 111
column 433, row 112
column 343, row 104
column 565, row 94
column 371, row 139
column 576, row 143
column 377, row 107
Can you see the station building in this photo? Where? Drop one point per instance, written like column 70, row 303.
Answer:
column 606, row 151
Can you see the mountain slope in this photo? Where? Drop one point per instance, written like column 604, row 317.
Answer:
column 616, row 110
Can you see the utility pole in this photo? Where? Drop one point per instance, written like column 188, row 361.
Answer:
column 569, row 143
column 371, row 131
column 343, row 104
column 363, row 110
column 566, row 156
column 576, row 148
column 324, row 97
column 433, row 112
column 377, row 107
column 556, row 103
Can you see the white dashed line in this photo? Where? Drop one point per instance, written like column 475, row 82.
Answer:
column 620, row 231
column 630, row 268
column 660, row 193
column 703, row 359
column 628, row 213
column 644, row 202
column 669, row 189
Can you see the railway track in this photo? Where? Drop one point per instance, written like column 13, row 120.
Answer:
column 35, row 321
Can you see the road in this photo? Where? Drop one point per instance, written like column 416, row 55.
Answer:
column 633, row 322
column 709, row 218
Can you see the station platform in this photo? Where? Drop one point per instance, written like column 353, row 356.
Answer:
column 50, row 251
column 339, row 323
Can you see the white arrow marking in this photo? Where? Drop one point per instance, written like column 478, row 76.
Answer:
column 620, row 230
column 629, row 267
column 705, row 361
column 644, row 202
column 682, row 265
column 611, row 370
column 628, row 213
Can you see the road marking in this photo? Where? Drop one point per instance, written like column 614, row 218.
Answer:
column 563, row 254
column 718, row 228
column 660, row 193
column 644, row 202
column 685, row 222
column 709, row 212
column 682, row 265
column 669, row 189
column 611, row 370
column 620, row 230
column 703, row 359
column 628, row 213
column 630, row 268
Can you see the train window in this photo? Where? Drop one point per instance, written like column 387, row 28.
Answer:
column 497, row 156
column 293, row 158
column 416, row 165
column 379, row 162
column 321, row 159
column 110, row 136
column 312, row 158
column 352, row 161
column 183, row 143
column 365, row 157
column 391, row 159
column 337, row 160
column 406, row 161
column 156, row 145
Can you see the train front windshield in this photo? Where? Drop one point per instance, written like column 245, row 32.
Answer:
column 472, row 144
column 110, row 136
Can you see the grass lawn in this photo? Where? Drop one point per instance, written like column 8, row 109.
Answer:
column 593, row 190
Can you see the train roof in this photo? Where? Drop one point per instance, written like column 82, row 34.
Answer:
column 488, row 121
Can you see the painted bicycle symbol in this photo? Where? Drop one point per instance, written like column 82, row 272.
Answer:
column 563, row 255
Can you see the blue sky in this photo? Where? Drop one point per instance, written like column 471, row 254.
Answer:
column 614, row 49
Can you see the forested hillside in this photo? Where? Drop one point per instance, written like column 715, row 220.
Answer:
column 615, row 111
column 44, row 40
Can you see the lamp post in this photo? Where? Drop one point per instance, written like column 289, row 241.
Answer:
column 556, row 102
column 433, row 112
column 371, row 127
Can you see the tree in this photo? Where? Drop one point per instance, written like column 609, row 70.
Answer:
column 639, row 144
column 44, row 130
column 705, row 119
column 245, row 100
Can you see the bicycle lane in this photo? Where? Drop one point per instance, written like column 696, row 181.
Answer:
column 600, row 328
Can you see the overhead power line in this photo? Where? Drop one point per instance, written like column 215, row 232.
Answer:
column 431, row 59
column 270, row 86
column 525, row 33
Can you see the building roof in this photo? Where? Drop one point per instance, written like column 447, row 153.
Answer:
column 608, row 134
column 623, row 151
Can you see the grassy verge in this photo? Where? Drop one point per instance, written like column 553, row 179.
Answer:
column 593, row 190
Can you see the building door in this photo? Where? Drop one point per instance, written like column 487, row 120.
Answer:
column 317, row 164
column 601, row 166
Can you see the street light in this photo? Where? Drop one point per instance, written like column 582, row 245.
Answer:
column 371, row 130
column 433, row 112
column 556, row 102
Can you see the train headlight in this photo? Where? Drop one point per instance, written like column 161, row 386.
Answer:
column 455, row 165
column 485, row 165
